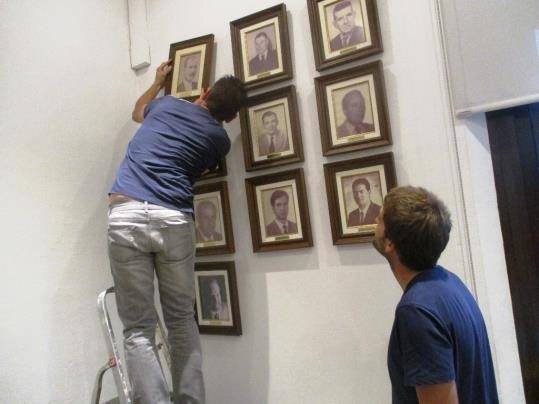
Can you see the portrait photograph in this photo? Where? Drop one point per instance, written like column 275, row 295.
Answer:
column 352, row 110
column 261, row 47
column 278, row 211
column 356, row 190
column 216, row 298
column 191, row 67
column 343, row 30
column 271, row 133
column 213, row 226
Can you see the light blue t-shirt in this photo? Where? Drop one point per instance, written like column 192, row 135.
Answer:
column 176, row 142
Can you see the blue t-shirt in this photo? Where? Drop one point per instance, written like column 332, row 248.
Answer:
column 439, row 336
column 176, row 142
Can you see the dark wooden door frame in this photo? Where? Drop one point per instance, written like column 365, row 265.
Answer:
column 514, row 142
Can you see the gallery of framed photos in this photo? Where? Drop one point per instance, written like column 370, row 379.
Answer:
column 346, row 100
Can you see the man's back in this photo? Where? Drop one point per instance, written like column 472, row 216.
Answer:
column 438, row 336
column 177, row 141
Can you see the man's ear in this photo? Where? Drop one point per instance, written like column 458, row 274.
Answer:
column 231, row 119
column 389, row 246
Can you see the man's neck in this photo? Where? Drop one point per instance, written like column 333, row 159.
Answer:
column 402, row 273
column 365, row 208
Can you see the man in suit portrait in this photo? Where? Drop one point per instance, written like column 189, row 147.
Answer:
column 215, row 307
column 206, row 218
column 189, row 73
column 367, row 211
column 353, row 107
column 280, row 225
column 272, row 139
column 266, row 56
column 350, row 34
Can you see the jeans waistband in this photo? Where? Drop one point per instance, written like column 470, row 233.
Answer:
column 139, row 205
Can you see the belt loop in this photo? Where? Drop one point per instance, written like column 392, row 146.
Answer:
column 146, row 207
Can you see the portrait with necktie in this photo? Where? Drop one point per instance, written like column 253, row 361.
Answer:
column 354, row 110
column 367, row 211
column 266, row 56
column 344, row 20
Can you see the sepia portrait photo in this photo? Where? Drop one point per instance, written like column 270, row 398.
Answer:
column 191, row 63
column 213, row 230
column 216, row 298
column 213, row 298
column 356, row 191
column 270, row 129
column 260, row 47
column 343, row 30
column 278, row 210
column 353, row 109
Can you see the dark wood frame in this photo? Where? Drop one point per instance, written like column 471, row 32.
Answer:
column 328, row 148
column 208, row 61
column 330, row 171
column 285, row 244
column 234, row 302
column 228, row 247
column 348, row 54
column 235, row 31
column 289, row 93
column 219, row 171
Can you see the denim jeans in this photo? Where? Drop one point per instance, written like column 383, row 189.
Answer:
column 145, row 239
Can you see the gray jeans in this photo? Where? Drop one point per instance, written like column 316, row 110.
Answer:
column 143, row 239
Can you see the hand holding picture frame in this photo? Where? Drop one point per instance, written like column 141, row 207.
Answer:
column 352, row 109
column 278, row 211
column 213, row 225
column 270, row 129
column 261, row 47
column 216, row 296
column 355, row 191
column 191, row 67
column 343, row 30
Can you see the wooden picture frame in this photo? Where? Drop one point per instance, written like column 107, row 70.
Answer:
column 261, row 47
column 278, row 211
column 213, row 225
column 191, row 67
column 355, row 191
column 352, row 109
column 343, row 31
column 219, row 171
column 217, row 306
column 270, row 129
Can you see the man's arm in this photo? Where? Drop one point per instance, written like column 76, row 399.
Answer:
column 160, row 76
column 445, row 393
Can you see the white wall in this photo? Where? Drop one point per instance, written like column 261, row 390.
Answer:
column 67, row 92
column 316, row 321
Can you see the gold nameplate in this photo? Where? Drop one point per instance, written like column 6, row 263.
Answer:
column 366, row 228
column 215, row 322
column 355, row 138
column 279, row 238
column 266, row 74
column 183, row 94
column 271, row 155
column 348, row 50
column 209, row 243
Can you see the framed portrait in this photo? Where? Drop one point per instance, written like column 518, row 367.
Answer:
column 216, row 298
column 219, row 171
column 278, row 211
column 270, row 129
column 343, row 30
column 356, row 190
column 261, row 48
column 352, row 109
column 191, row 67
column 213, row 226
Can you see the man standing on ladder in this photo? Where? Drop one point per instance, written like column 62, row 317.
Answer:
column 151, row 230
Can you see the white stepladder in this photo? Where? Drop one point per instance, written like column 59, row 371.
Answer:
column 114, row 361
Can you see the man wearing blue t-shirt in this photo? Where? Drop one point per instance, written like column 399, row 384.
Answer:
column 151, row 230
column 438, row 350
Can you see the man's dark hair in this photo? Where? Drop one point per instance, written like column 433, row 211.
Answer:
column 418, row 223
column 270, row 45
column 227, row 96
column 268, row 113
column 360, row 181
column 339, row 6
column 276, row 195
